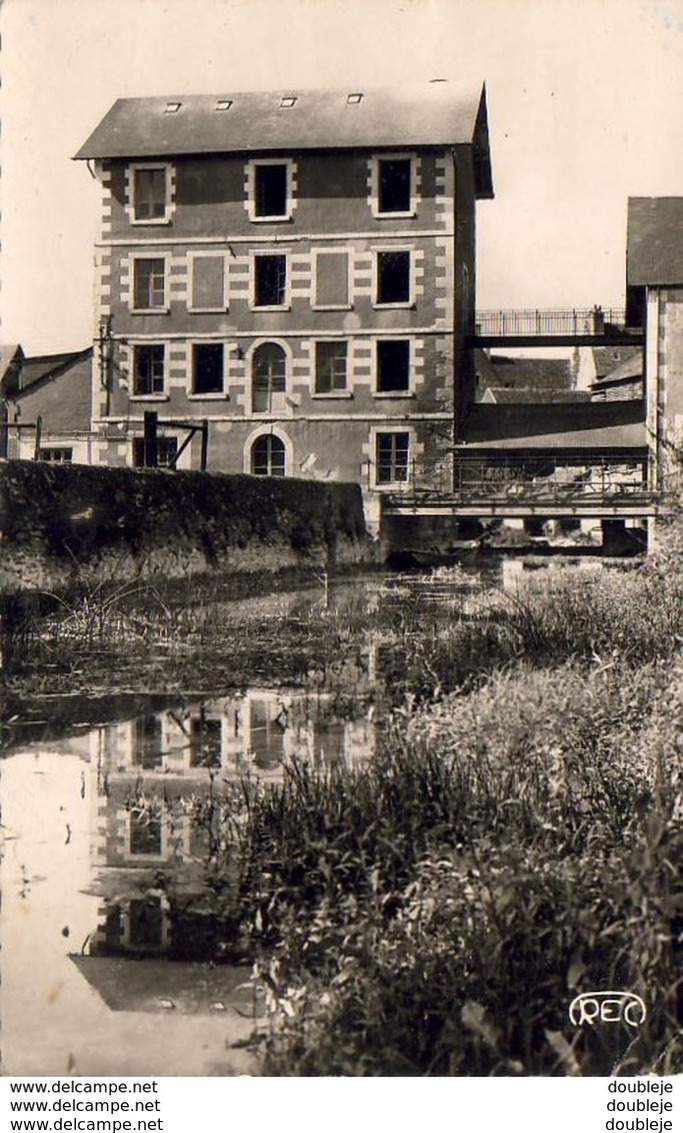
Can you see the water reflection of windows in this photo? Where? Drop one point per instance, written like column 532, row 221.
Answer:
column 147, row 742
column 205, row 741
column 329, row 742
column 145, row 837
column 146, row 923
column 267, row 733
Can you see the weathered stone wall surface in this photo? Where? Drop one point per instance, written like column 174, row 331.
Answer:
column 65, row 524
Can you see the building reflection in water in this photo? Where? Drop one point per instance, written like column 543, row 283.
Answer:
column 150, row 852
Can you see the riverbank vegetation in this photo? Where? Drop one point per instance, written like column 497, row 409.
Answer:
column 515, row 841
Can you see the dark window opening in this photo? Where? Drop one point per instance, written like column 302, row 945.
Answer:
column 145, row 834
column 330, row 367
column 268, row 456
column 207, row 368
column 205, row 741
column 394, row 184
column 271, row 281
column 149, row 289
column 270, row 190
column 393, row 366
column 150, row 194
column 393, row 277
column 167, row 451
column 56, row 455
column 148, row 370
column 392, row 458
column 268, row 376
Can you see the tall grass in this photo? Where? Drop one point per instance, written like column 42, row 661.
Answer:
column 437, row 910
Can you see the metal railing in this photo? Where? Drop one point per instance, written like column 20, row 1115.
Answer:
column 526, row 480
column 578, row 321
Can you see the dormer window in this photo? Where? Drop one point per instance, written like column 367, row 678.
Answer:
column 354, row 99
column 288, row 102
column 172, row 107
column 223, row 104
column 270, row 189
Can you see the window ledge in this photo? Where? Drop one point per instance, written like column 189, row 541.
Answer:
column 404, row 305
column 207, row 310
column 156, row 221
column 284, row 307
column 149, row 397
column 398, row 215
column 331, row 306
column 403, row 393
column 286, row 219
column 208, row 397
column 150, row 310
column 333, row 395
column 393, row 486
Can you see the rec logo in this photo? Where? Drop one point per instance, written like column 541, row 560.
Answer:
column 593, row 1007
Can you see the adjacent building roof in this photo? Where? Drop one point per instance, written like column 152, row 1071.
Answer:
column 47, row 366
column 437, row 113
column 631, row 367
column 609, row 360
column 597, row 426
column 654, row 253
column 11, row 356
column 502, row 372
column 530, row 396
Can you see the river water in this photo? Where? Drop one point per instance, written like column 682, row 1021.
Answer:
column 106, row 918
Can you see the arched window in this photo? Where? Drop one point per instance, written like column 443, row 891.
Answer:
column 268, row 456
column 268, row 376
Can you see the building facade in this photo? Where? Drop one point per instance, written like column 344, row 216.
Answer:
column 654, row 277
column 297, row 270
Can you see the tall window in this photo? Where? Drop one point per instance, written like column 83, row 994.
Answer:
column 394, row 189
column 148, row 370
column 149, row 193
column 270, row 281
column 268, row 456
column 392, row 457
column 268, row 376
column 393, row 277
column 330, row 366
column 149, row 284
column 393, row 365
column 207, row 367
column 270, row 189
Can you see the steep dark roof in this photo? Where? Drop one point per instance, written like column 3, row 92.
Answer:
column 608, row 359
column 530, row 396
column 591, row 426
column 631, row 367
column 502, row 372
column 426, row 114
column 49, row 365
column 11, row 355
column 654, row 253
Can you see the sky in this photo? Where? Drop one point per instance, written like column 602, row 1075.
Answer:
column 584, row 100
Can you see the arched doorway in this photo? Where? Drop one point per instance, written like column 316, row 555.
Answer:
column 268, row 457
column 268, row 376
